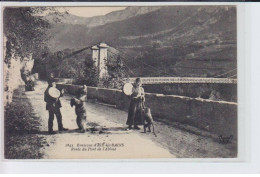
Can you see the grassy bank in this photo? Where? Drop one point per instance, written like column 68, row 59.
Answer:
column 21, row 126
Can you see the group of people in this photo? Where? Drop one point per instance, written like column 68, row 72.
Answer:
column 53, row 106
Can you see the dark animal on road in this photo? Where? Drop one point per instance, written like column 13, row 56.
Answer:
column 148, row 120
column 80, row 110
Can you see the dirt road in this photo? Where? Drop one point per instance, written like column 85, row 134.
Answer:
column 116, row 142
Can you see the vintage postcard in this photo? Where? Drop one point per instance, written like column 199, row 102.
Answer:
column 122, row 82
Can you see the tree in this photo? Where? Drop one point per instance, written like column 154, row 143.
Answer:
column 40, row 62
column 116, row 74
column 90, row 74
column 26, row 31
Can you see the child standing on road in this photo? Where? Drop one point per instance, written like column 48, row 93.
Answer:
column 80, row 110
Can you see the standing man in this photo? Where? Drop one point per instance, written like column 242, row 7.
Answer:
column 53, row 105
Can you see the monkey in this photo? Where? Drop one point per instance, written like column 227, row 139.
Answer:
column 149, row 119
column 225, row 140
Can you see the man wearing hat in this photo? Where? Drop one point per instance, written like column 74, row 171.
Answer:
column 53, row 105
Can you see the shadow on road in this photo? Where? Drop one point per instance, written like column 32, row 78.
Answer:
column 99, row 130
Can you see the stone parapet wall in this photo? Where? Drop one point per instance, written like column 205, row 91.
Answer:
column 218, row 117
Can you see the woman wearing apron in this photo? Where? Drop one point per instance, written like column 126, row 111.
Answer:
column 135, row 117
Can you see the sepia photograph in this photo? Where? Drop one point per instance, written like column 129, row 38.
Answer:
column 120, row 82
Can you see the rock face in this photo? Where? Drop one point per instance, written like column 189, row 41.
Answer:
column 12, row 79
column 13, row 74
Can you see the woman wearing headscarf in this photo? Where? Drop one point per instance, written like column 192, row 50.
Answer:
column 135, row 117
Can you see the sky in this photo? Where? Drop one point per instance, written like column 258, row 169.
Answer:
column 91, row 11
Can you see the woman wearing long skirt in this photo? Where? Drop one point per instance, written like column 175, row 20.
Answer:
column 135, row 117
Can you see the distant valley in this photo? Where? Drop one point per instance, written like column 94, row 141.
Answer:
column 159, row 41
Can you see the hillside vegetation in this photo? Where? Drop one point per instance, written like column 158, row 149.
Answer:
column 161, row 41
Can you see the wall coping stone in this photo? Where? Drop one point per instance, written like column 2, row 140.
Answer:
column 162, row 95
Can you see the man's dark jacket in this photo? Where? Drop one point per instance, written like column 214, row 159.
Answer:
column 51, row 103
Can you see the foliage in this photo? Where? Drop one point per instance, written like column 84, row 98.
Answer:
column 90, row 74
column 116, row 74
column 40, row 61
column 83, row 69
column 166, row 42
column 18, row 117
column 21, row 141
column 26, row 31
column 63, row 67
column 23, row 31
column 59, row 64
column 65, row 64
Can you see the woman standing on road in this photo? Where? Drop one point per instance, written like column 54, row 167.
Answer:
column 135, row 109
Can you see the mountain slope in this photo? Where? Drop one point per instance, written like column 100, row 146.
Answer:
column 176, row 40
column 128, row 12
